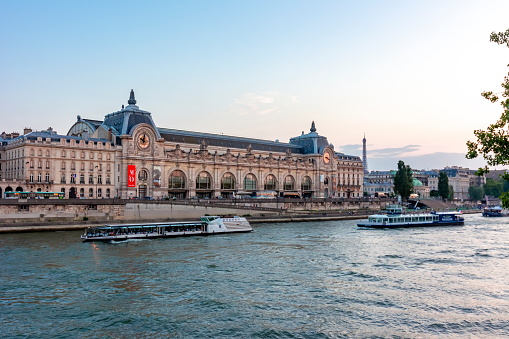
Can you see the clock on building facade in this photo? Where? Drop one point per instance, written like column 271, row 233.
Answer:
column 143, row 141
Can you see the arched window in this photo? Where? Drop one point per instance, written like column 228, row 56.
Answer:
column 177, row 180
column 82, row 192
column 82, row 178
column 19, row 189
column 39, row 177
column 99, row 192
column 90, row 192
column 270, row 183
column 108, row 193
column 47, row 177
column 289, row 184
column 31, row 177
column 228, row 182
column 306, row 184
column 100, row 179
column 143, row 175
column 250, row 182
column 203, row 181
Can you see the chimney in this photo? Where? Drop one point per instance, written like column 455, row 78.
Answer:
column 27, row 130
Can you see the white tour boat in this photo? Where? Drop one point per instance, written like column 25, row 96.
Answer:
column 396, row 219
column 207, row 225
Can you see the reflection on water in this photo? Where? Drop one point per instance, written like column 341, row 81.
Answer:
column 324, row 279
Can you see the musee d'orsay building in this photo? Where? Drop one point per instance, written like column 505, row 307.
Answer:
column 126, row 155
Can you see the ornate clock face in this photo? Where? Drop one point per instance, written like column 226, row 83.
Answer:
column 143, row 140
column 326, row 157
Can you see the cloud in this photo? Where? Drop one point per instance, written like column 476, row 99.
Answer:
column 261, row 104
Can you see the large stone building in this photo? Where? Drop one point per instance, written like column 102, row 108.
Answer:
column 126, row 155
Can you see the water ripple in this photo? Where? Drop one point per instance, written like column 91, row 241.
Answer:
column 297, row 280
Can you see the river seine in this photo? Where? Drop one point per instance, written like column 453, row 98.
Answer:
column 288, row 280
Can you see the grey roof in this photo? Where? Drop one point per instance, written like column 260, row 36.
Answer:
column 54, row 137
column 311, row 142
column 220, row 140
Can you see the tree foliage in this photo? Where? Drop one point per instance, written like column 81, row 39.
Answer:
column 493, row 143
column 403, row 181
column 451, row 193
column 476, row 193
column 493, row 187
column 443, row 185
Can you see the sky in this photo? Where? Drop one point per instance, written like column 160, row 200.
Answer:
column 406, row 74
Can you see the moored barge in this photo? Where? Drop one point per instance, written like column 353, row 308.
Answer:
column 396, row 219
column 496, row 212
column 206, row 226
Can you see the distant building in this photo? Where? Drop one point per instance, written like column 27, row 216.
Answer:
column 459, row 179
column 377, row 182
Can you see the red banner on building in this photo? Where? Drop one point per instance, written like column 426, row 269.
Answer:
column 131, row 176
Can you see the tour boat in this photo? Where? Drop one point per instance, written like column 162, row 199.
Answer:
column 206, row 226
column 496, row 211
column 396, row 219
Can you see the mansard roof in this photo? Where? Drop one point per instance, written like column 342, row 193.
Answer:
column 54, row 137
column 123, row 121
column 220, row 140
column 311, row 142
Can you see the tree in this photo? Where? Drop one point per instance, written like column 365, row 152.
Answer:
column 493, row 187
column 493, row 143
column 451, row 192
column 403, row 181
column 434, row 193
column 476, row 193
column 443, row 185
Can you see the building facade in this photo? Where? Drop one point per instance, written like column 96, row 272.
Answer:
column 126, row 155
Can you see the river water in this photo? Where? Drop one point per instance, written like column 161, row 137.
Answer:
column 287, row 280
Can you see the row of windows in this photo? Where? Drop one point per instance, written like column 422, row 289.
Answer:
column 72, row 154
column 63, row 179
column 91, row 165
column 99, row 192
column 178, row 180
